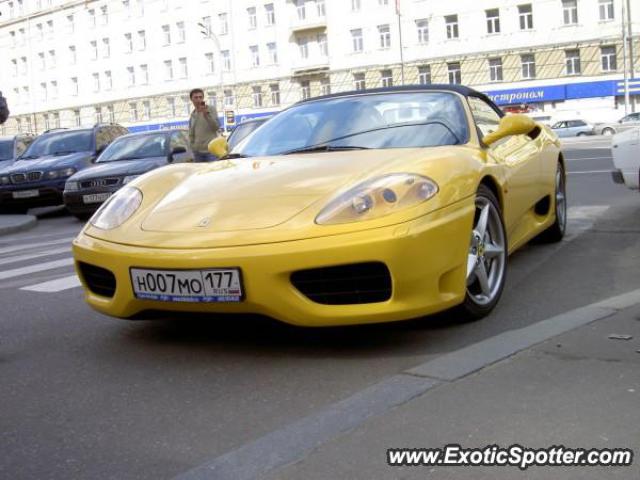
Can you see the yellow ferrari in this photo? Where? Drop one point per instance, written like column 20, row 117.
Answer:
column 352, row 208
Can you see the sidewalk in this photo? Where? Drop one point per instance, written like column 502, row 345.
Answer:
column 16, row 223
column 580, row 389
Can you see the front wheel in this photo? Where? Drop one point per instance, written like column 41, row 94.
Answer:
column 486, row 259
column 608, row 131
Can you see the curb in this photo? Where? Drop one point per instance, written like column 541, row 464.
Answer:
column 16, row 223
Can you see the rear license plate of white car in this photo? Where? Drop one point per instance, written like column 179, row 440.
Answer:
column 26, row 194
column 96, row 197
column 195, row 286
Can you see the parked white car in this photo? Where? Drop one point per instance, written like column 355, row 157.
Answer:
column 626, row 158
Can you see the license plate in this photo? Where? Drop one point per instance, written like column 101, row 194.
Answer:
column 26, row 194
column 96, row 197
column 195, row 286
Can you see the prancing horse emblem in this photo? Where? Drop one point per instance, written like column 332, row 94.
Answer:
column 204, row 223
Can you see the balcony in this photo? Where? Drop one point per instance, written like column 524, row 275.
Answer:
column 311, row 21
column 309, row 66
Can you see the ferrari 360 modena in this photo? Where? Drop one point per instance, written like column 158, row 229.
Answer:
column 352, row 208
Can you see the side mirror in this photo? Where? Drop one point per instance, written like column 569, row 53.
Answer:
column 510, row 125
column 219, row 147
column 177, row 150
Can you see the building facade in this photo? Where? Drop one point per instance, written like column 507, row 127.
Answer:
column 78, row 62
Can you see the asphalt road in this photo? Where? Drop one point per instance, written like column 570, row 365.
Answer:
column 88, row 397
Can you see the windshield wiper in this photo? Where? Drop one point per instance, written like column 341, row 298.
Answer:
column 63, row 152
column 236, row 155
column 29, row 157
column 324, row 148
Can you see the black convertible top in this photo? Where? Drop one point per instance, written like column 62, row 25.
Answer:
column 460, row 89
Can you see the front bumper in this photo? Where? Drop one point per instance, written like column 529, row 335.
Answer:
column 49, row 194
column 426, row 258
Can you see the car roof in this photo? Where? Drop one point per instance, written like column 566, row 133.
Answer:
column 459, row 89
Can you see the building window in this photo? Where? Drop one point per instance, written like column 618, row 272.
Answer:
column 131, row 76
column 182, row 62
column 52, row 58
column 71, row 25
column 356, row 40
column 209, row 62
column 212, row 100
column 525, row 15
column 56, row 120
column 146, row 110
column 142, row 40
column 572, row 61
column 386, row 76
column 422, row 26
column 385, row 36
column 570, row 12
column 76, row 118
column 186, row 105
column 54, row 89
column 226, row 60
column 133, row 112
column 140, row 8
column 181, row 32
column 256, row 95
column 14, row 65
column 43, row 91
column 303, row 47
column 251, row 14
column 493, row 20
column 128, row 43
column 96, row 82
column 273, row 53
column 106, row 48
column 23, row 66
column 108, row 81
column 424, row 75
column 41, row 62
column 606, row 9
column 270, row 14
column 97, row 112
column 166, row 35
column 111, row 114
column 275, row 93
column 168, row 70
column 255, row 56
column 528, row 62
column 355, row 5
column 228, row 98
column 454, row 72
column 126, row 7
column 206, row 24
column 40, row 31
column 495, row 69
column 223, row 23
column 300, row 8
column 92, row 17
column 305, row 89
column 452, row 26
column 104, row 15
column 144, row 75
column 325, row 86
column 47, row 124
column 74, row 86
column 171, row 106
column 321, row 8
column 608, row 59
column 50, row 30
column 359, row 82
column 93, row 50
column 322, row 44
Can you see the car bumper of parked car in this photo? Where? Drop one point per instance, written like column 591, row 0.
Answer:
column 30, row 196
column 422, row 265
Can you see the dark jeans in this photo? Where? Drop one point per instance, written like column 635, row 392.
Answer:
column 204, row 157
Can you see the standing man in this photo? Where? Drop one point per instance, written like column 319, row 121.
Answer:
column 203, row 127
column 4, row 109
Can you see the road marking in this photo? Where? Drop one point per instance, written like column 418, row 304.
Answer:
column 588, row 172
column 17, row 248
column 31, row 256
column 64, row 283
column 291, row 443
column 17, row 272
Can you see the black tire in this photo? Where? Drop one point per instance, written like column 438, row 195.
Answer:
column 608, row 131
column 471, row 309
column 556, row 231
column 581, row 134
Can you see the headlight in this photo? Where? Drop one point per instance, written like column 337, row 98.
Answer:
column 4, row 181
column 71, row 186
column 378, row 197
column 118, row 209
column 129, row 178
column 65, row 172
column 51, row 174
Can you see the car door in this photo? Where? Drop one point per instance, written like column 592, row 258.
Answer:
column 630, row 121
column 520, row 157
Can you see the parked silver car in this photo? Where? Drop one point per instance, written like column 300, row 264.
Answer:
column 572, row 128
column 625, row 123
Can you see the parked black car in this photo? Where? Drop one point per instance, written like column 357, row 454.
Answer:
column 37, row 178
column 12, row 147
column 125, row 159
column 242, row 131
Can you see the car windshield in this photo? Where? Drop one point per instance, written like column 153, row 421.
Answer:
column 60, row 143
column 139, row 146
column 241, row 131
column 385, row 120
column 6, row 150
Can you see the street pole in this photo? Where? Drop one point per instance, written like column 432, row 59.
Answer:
column 400, row 37
column 630, row 39
column 624, row 57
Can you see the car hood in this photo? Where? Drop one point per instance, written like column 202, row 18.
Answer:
column 120, row 168
column 5, row 165
column 50, row 162
column 264, row 200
